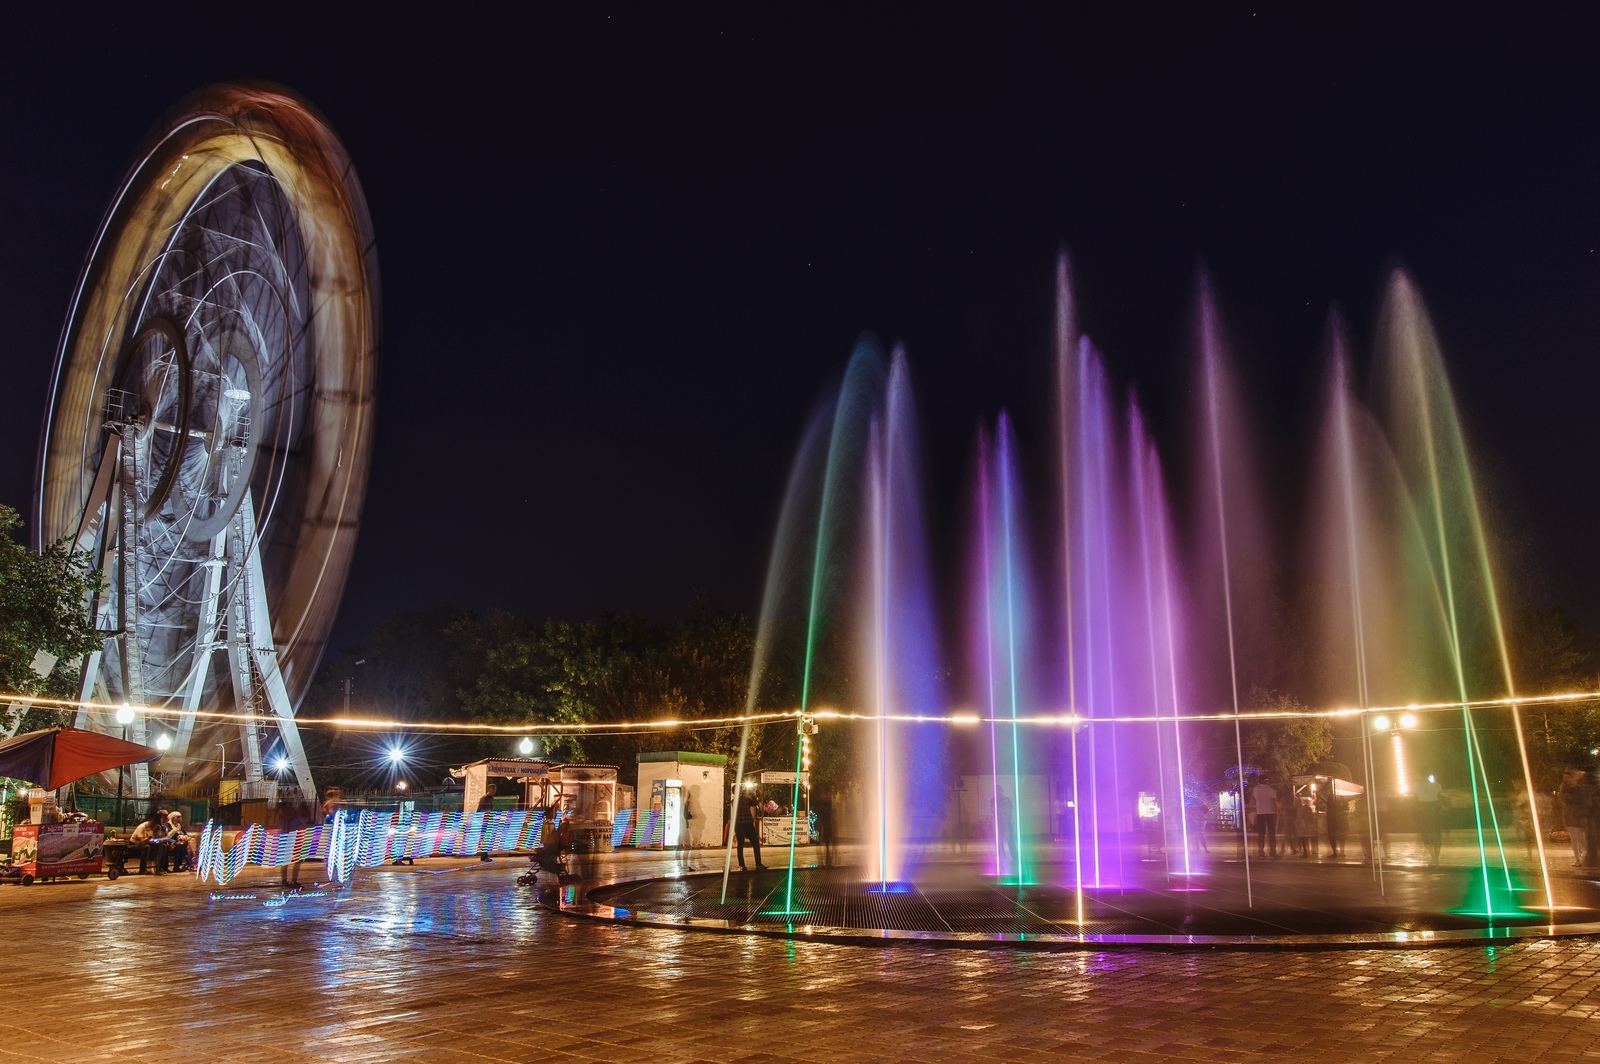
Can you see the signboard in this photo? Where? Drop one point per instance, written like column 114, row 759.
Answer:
column 785, row 777
column 515, row 769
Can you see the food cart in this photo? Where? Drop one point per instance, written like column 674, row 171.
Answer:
column 1320, row 791
column 46, row 851
column 773, row 791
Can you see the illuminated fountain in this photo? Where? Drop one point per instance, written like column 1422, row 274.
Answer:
column 1111, row 645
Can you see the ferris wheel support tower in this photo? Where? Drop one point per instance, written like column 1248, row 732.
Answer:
column 209, row 429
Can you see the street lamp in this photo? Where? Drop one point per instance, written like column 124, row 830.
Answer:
column 526, row 747
column 1406, row 720
column 124, row 718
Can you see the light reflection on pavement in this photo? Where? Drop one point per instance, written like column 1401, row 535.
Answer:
column 451, row 960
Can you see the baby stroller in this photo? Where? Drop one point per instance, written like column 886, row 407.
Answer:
column 551, row 857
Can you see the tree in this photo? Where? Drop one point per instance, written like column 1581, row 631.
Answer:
column 1285, row 746
column 1552, row 654
column 43, row 607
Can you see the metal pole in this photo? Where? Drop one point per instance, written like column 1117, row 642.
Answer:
column 122, row 821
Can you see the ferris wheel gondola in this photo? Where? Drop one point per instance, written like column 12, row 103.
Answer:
column 209, row 426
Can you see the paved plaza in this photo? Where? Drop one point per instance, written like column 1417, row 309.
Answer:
column 452, row 961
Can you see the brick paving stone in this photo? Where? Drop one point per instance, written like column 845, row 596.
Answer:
column 452, row 961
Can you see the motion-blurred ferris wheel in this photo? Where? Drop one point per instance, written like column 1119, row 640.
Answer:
column 209, row 427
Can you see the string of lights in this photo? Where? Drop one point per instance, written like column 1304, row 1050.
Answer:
column 779, row 716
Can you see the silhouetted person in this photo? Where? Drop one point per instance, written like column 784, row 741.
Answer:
column 1430, row 816
column 1338, row 814
column 1196, row 813
column 1592, row 832
column 1006, row 826
column 1575, row 811
column 486, row 806
column 823, row 809
column 746, row 830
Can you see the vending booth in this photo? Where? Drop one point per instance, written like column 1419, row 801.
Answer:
column 772, row 792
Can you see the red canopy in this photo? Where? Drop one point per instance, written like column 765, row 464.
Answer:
column 55, row 757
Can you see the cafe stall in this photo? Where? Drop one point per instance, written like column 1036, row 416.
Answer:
column 773, row 792
column 586, row 796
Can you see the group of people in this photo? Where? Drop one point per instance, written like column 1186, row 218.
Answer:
column 162, row 842
column 1295, row 818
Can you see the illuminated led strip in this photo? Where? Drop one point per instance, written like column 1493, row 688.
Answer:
column 368, row 839
column 1047, row 720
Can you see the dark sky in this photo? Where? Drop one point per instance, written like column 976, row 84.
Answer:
column 622, row 250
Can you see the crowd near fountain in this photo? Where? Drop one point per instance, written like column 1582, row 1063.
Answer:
column 1089, row 670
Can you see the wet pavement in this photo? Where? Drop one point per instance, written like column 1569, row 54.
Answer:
column 452, row 961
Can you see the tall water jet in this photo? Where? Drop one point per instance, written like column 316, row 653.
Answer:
column 1426, row 432
column 906, row 756
column 1232, row 528
column 1351, row 560
column 1160, row 635
column 807, row 572
column 1066, row 358
column 1000, row 645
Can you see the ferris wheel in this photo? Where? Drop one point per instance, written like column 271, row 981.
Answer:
column 209, row 427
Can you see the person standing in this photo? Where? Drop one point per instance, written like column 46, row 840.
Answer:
column 1306, row 824
column 822, row 807
column 1575, row 811
column 746, row 830
column 1264, row 798
column 1338, row 821
column 1592, row 828
column 1522, row 813
column 1006, row 829
column 485, row 807
column 1429, row 819
column 293, row 817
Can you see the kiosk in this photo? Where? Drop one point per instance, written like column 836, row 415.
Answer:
column 688, row 790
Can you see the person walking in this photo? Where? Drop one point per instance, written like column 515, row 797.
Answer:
column 747, row 830
column 1264, row 798
column 1574, row 797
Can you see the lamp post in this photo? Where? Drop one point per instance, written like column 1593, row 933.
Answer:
column 124, row 718
column 1407, row 721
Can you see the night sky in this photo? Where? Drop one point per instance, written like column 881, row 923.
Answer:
column 623, row 250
